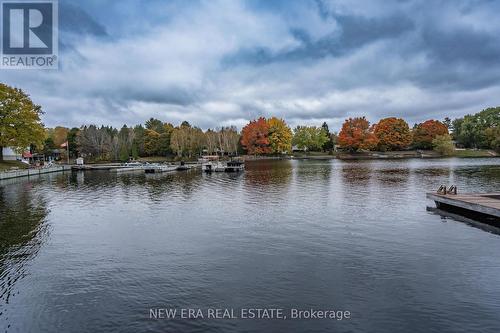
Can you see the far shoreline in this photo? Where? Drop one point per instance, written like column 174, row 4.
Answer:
column 377, row 155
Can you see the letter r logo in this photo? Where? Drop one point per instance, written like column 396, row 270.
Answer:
column 27, row 28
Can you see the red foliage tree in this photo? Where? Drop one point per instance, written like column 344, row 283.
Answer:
column 393, row 134
column 357, row 134
column 425, row 132
column 255, row 137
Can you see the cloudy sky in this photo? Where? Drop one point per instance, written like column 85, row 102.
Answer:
column 224, row 62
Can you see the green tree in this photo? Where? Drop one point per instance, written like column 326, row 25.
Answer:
column 154, row 125
column 135, row 151
column 72, row 136
column 124, row 155
column 48, row 146
column 20, row 124
column 139, row 139
column 471, row 130
column 443, row 144
column 309, row 137
column 492, row 136
column 447, row 121
column 328, row 145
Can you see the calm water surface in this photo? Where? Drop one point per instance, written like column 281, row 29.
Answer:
column 94, row 251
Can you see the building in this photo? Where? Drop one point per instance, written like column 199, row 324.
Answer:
column 10, row 155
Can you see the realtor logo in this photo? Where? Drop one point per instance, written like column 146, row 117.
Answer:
column 29, row 34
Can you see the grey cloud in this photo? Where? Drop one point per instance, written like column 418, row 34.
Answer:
column 74, row 19
column 219, row 62
column 462, row 45
column 355, row 32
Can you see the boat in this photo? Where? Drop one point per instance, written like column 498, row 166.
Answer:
column 235, row 166
column 182, row 167
column 158, row 168
column 213, row 167
column 133, row 164
column 230, row 166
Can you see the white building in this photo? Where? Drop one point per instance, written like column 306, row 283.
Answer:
column 10, row 155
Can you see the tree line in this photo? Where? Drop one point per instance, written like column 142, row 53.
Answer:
column 273, row 136
column 21, row 127
column 154, row 138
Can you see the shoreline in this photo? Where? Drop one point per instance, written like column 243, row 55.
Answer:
column 10, row 174
column 394, row 155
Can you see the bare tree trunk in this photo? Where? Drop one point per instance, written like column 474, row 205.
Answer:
column 1, row 154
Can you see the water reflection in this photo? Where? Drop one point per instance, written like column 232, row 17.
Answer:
column 356, row 173
column 22, row 232
column 349, row 234
column 267, row 182
column 265, row 173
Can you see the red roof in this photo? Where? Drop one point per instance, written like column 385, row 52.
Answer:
column 27, row 154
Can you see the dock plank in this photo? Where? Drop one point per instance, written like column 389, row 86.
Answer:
column 482, row 203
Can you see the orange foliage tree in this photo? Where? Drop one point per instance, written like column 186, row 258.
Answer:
column 393, row 134
column 357, row 134
column 425, row 132
column 255, row 137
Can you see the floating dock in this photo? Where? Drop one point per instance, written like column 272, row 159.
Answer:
column 33, row 172
column 484, row 207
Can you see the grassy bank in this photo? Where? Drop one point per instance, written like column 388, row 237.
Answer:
column 475, row 153
column 8, row 165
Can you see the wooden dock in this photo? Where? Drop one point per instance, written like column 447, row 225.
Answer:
column 482, row 205
column 33, row 172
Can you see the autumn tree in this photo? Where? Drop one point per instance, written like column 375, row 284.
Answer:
column 280, row 136
column 164, row 140
column 186, row 140
column 228, row 139
column 151, row 141
column 179, row 140
column 255, row 137
column 425, row 132
column 60, row 135
column 393, row 134
column 356, row 134
column 20, row 124
column 211, row 141
column 223, row 140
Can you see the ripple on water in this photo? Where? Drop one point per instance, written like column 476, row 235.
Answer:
column 93, row 251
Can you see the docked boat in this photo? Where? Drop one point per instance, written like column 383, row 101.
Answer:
column 231, row 166
column 182, row 167
column 235, row 166
column 213, row 167
column 158, row 168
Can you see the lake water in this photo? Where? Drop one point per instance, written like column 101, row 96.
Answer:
column 95, row 251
